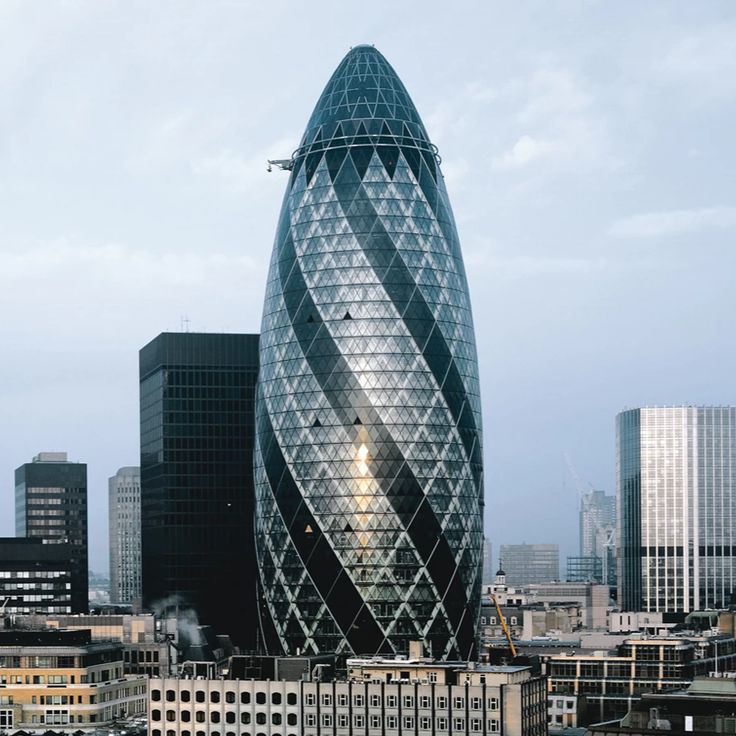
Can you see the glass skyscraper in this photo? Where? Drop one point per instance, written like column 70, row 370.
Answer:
column 369, row 472
column 197, row 395
column 676, row 496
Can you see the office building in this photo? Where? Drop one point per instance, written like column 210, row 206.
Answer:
column 197, row 426
column 51, row 504
column 676, row 486
column 606, row 685
column 488, row 569
column 369, row 468
column 149, row 644
column 378, row 698
column 706, row 708
column 598, row 534
column 592, row 598
column 35, row 576
column 530, row 563
column 124, row 504
column 582, row 569
column 63, row 681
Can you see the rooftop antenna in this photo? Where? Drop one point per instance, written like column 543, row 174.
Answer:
column 285, row 164
column 185, row 323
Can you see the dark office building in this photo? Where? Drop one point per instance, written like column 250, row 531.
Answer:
column 197, row 397
column 51, row 504
column 35, row 576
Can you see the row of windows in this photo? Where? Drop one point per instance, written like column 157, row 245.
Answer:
column 391, row 722
column 200, row 696
column 202, row 716
column 391, row 701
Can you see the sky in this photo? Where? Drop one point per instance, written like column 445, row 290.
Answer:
column 588, row 150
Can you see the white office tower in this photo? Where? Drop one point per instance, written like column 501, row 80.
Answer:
column 125, row 536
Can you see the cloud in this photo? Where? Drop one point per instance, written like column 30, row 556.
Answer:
column 525, row 151
column 673, row 222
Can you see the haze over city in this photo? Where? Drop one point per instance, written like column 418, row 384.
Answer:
column 588, row 156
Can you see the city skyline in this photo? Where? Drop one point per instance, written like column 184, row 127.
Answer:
column 604, row 200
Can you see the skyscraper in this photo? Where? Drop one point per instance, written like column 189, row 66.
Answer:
column 197, row 424
column 369, row 472
column 51, row 503
column 530, row 563
column 676, row 496
column 597, row 537
column 124, row 505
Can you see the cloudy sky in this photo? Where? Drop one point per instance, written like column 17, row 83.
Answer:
column 589, row 153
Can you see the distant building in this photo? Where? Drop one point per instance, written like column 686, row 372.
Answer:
column 35, row 576
column 592, row 598
column 676, row 491
column 197, row 394
column 610, row 683
column 584, row 569
column 124, row 504
column 530, row 563
column 412, row 697
column 488, row 572
column 63, row 681
column 598, row 534
column 51, row 504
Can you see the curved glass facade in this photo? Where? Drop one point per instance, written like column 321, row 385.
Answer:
column 369, row 475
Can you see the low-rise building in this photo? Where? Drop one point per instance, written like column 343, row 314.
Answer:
column 65, row 681
column 35, row 575
column 611, row 682
column 592, row 598
column 706, row 708
column 149, row 643
column 380, row 697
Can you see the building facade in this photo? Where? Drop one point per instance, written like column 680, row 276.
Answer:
column 530, row 563
column 488, row 700
column 35, row 576
column 608, row 684
column 676, row 495
column 61, row 680
column 124, row 505
column 369, row 457
column 51, row 504
column 197, row 423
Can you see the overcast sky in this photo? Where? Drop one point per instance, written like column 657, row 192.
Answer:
column 589, row 154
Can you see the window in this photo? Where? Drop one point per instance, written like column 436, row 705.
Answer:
column 458, row 703
column 326, row 699
column 6, row 718
column 375, row 721
column 458, row 724
column 276, row 719
column 186, row 716
column 442, row 701
column 155, row 695
column 493, row 704
column 261, row 719
column 200, row 716
column 408, row 701
column 432, row 677
column 170, row 716
column 156, row 715
column 375, row 701
column 409, row 722
column 276, row 698
column 441, row 723
column 342, row 720
column 476, row 724
column 185, row 696
column 291, row 719
column 291, row 698
column 342, row 699
column 392, row 722
column 359, row 721
column 327, row 720
column 358, row 701
column 170, row 696
column 229, row 696
column 391, row 701
column 199, row 696
column 245, row 718
column 230, row 717
column 493, row 725
column 245, row 698
column 310, row 699
column 424, row 701
column 215, row 716
column 311, row 719
column 261, row 698
column 425, row 723
column 476, row 704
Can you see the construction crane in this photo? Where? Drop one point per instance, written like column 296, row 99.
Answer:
column 505, row 628
column 285, row 164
